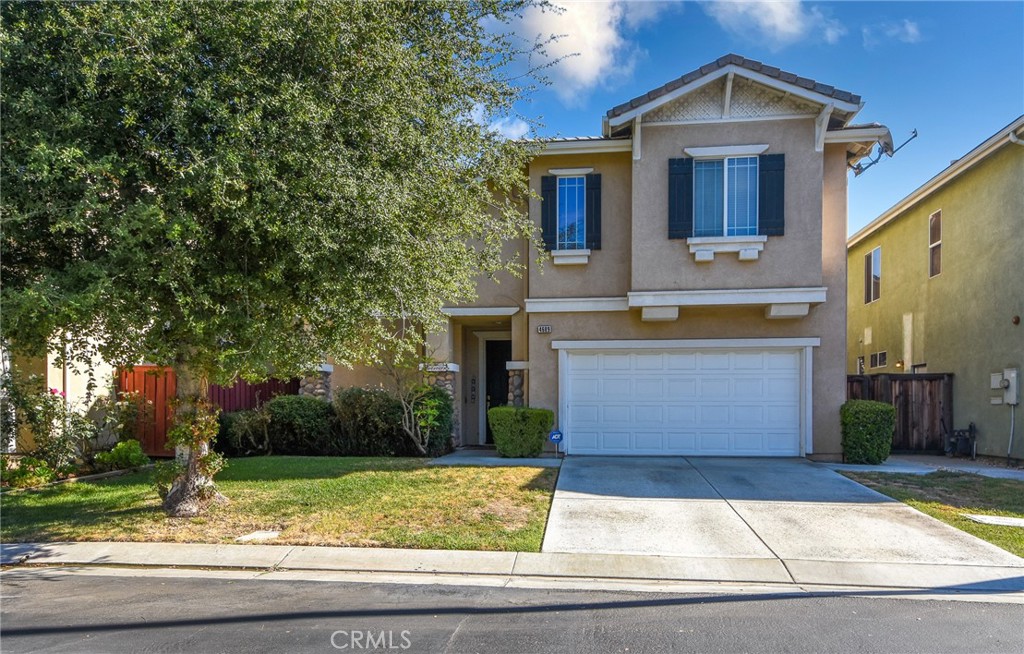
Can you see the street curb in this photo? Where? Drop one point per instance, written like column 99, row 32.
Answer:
column 952, row 579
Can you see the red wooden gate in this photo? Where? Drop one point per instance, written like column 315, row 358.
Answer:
column 158, row 385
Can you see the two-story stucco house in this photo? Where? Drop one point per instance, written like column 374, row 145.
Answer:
column 695, row 297
column 937, row 285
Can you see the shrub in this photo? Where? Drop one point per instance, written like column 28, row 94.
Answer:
column 299, row 424
column 28, row 472
column 245, row 433
column 520, row 432
column 867, row 428
column 435, row 412
column 368, row 423
column 124, row 455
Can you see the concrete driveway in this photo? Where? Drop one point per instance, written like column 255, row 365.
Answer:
column 762, row 510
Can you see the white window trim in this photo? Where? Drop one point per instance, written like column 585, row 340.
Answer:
column 578, row 256
column 720, row 151
column 725, row 200
column 937, row 244
column 570, row 257
column 570, row 172
column 704, row 248
column 872, row 253
column 877, row 357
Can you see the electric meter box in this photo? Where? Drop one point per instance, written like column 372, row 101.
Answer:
column 1011, row 386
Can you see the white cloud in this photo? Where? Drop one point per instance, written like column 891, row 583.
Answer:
column 593, row 45
column 904, row 31
column 778, row 23
column 510, row 128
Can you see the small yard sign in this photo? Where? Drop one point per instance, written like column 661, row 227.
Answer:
column 555, row 437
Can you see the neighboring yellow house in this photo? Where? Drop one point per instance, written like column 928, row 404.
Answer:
column 936, row 284
column 695, row 300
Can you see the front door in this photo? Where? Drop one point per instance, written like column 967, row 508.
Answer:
column 498, row 353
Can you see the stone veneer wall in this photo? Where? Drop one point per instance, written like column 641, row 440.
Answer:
column 516, row 378
column 445, row 379
column 317, row 385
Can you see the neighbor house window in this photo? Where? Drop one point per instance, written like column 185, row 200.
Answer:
column 572, row 213
column 878, row 360
column 873, row 276
column 725, row 197
column 935, row 244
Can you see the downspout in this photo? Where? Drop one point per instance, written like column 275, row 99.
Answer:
column 1016, row 139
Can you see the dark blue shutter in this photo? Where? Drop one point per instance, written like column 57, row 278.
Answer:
column 549, row 211
column 593, row 212
column 771, row 190
column 680, row 198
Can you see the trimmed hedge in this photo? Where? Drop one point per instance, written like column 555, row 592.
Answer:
column 520, row 431
column 867, row 428
column 299, row 424
column 369, row 423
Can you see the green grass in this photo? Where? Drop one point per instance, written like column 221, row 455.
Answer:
column 947, row 496
column 366, row 502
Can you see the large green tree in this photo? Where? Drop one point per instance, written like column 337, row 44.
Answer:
column 232, row 188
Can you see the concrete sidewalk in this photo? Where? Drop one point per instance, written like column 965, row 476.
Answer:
column 509, row 567
column 922, row 464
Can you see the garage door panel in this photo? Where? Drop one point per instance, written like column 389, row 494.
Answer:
column 617, row 388
column 748, row 361
column 748, row 442
column 678, row 441
column 616, row 440
column 649, row 389
column 713, row 442
column 681, row 415
column 712, row 388
column 653, row 441
column 744, row 415
column 676, row 361
column 615, row 413
column 714, row 361
column 752, row 389
column 586, row 389
column 782, row 360
column 616, row 362
column 714, row 414
column 679, row 389
column 649, row 413
column 649, row 362
column 585, row 413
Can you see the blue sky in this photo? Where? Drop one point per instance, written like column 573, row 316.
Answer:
column 952, row 70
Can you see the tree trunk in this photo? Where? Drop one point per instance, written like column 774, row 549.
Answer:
column 193, row 491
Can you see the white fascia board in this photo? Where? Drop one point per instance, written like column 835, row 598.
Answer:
column 728, row 297
column 588, row 147
column 461, row 312
column 961, row 165
column 785, row 87
column 574, row 305
column 689, row 344
column 859, row 135
column 727, row 151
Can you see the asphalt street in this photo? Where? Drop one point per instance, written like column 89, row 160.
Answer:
column 51, row 611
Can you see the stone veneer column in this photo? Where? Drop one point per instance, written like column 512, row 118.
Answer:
column 318, row 384
column 516, row 382
column 442, row 375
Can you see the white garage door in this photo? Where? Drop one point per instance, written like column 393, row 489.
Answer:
column 683, row 402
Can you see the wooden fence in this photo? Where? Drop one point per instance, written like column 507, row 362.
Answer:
column 924, row 406
column 158, row 385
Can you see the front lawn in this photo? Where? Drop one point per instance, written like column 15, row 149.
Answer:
column 365, row 502
column 948, row 495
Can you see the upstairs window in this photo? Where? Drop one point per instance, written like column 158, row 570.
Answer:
column 873, row 275
column 725, row 197
column 935, row 243
column 572, row 213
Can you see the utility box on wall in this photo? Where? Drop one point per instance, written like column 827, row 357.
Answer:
column 1011, row 386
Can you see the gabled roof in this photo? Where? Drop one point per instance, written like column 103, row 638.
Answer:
column 1004, row 136
column 846, row 104
column 736, row 60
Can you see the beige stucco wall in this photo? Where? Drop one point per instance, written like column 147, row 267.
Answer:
column 659, row 263
column 606, row 274
column 961, row 319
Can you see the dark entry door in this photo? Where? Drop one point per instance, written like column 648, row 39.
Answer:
column 498, row 354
